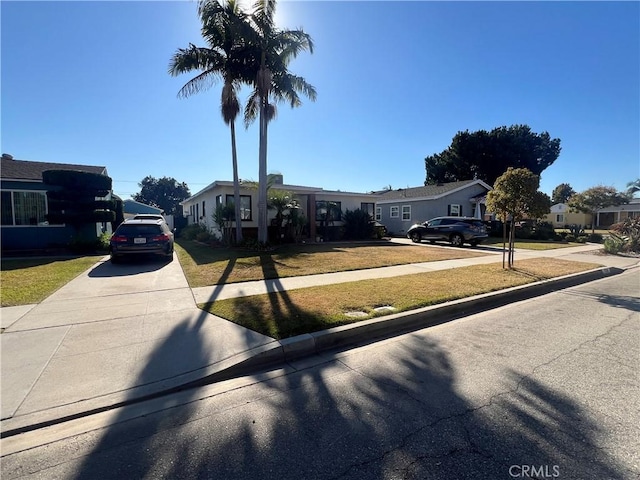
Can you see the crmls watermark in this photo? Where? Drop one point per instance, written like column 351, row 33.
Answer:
column 534, row 471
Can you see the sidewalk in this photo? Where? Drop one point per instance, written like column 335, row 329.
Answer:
column 120, row 333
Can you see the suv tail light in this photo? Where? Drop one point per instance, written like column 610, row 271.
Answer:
column 161, row 238
column 119, row 239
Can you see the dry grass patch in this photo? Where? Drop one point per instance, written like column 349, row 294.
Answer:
column 32, row 280
column 532, row 244
column 285, row 314
column 204, row 266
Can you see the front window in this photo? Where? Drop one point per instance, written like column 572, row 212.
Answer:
column 455, row 210
column 394, row 212
column 406, row 212
column 328, row 211
column 368, row 207
column 378, row 214
column 245, row 206
column 559, row 218
column 24, row 208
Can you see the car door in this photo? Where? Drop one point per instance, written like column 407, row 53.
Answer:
column 444, row 229
column 431, row 229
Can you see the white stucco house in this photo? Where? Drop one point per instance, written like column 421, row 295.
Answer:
column 200, row 207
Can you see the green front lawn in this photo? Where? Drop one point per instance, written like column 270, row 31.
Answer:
column 23, row 282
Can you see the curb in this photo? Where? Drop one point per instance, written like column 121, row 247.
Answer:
column 278, row 352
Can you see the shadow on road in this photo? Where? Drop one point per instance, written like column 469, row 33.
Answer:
column 406, row 421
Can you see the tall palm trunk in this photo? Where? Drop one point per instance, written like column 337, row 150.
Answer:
column 263, row 235
column 236, row 183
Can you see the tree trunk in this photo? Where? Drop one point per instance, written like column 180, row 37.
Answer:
column 263, row 236
column 236, row 184
column 504, row 240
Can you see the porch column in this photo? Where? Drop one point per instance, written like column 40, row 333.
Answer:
column 311, row 207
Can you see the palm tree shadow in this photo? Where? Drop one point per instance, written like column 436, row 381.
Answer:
column 389, row 413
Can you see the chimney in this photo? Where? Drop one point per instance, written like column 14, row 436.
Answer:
column 6, row 156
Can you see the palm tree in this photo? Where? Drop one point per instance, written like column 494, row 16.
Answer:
column 225, row 29
column 275, row 48
column 633, row 187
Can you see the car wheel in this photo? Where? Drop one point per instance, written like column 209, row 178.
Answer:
column 432, row 242
column 474, row 243
column 457, row 240
column 114, row 259
column 416, row 237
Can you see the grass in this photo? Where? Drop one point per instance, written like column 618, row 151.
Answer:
column 23, row 282
column 285, row 314
column 529, row 244
column 204, row 265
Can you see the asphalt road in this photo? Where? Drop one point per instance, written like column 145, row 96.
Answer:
column 546, row 388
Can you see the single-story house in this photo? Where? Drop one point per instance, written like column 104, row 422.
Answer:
column 24, row 205
column 132, row 208
column 561, row 215
column 313, row 201
column 610, row 215
column 401, row 208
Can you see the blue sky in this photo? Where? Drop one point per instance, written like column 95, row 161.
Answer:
column 87, row 83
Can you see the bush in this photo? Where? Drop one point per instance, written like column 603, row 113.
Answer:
column 103, row 241
column 594, row 238
column 190, row 232
column 582, row 239
column 358, row 225
column 203, row 236
column 569, row 238
column 544, row 231
column 614, row 244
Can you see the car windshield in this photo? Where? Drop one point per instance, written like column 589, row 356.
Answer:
column 131, row 230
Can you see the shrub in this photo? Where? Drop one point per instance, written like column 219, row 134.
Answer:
column 544, row 231
column 203, row 236
column 594, row 238
column 628, row 231
column 190, row 232
column 582, row 239
column 103, row 241
column 569, row 238
column 614, row 244
column 358, row 225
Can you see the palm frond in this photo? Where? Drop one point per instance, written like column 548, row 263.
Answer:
column 252, row 108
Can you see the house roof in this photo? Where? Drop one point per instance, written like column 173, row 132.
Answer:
column 11, row 169
column 428, row 191
column 133, row 207
column 299, row 189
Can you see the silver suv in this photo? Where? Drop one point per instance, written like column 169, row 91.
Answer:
column 457, row 230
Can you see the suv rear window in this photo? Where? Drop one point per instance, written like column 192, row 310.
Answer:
column 129, row 230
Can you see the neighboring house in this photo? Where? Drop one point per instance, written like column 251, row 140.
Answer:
column 399, row 209
column 24, row 205
column 132, row 208
column 561, row 215
column 200, row 208
column 610, row 215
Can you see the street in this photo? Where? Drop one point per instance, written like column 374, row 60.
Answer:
column 546, row 388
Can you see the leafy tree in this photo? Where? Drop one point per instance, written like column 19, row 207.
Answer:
column 275, row 50
column 226, row 30
column 595, row 199
column 633, row 187
column 165, row 193
column 487, row 155
column 514, row 197
column 562, row 193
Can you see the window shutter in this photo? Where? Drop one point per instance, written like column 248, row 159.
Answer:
column 448, row 209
